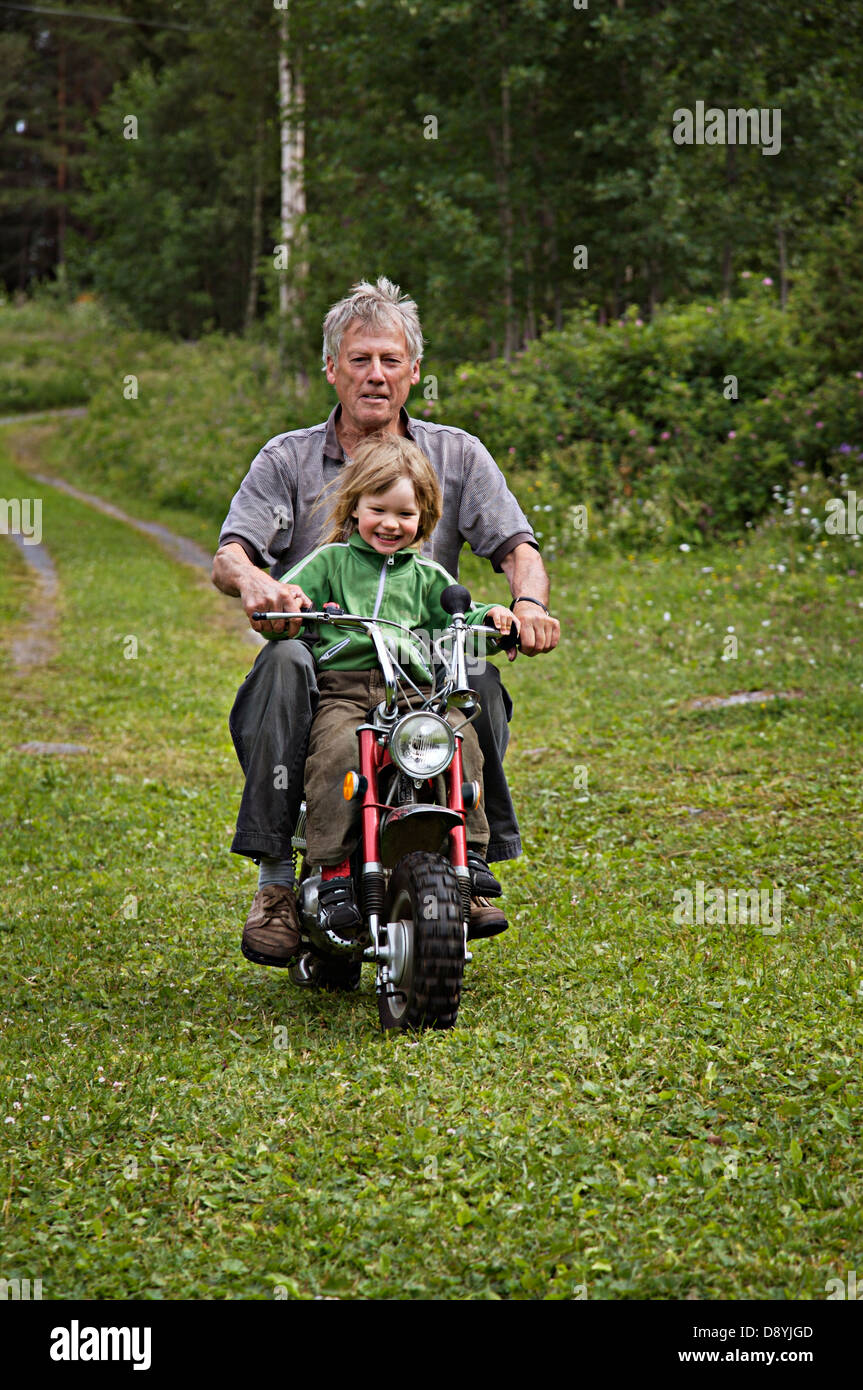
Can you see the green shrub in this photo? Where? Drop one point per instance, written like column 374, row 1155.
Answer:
column 678, row 428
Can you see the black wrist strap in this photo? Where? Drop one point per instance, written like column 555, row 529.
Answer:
column 524, row 598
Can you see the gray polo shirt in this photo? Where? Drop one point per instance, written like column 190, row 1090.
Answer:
column 273, row 517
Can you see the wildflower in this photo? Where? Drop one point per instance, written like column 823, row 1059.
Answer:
column 512, row 448
column 819, row 424
column 732, row 434
column 845, row 448
column 632, row 433
column 767, row 280
column 665, row 434
column 684, row 546
column 746, row 274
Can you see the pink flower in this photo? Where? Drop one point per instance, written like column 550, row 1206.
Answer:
column 632, row 432
column 767, row 280
column 665, row 435
column 511, row 449
column 560, row 439
column 745, row 274
column 639, row 323
column 732, row 434
column 819, row 424
column 708, row 309
column 650, row 449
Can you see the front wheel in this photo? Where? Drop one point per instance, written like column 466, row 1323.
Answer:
column 425, row 934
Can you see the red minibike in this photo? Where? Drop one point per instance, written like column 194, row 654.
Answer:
column 410, row 869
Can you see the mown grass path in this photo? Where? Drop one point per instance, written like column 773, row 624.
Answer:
column 629, row 1108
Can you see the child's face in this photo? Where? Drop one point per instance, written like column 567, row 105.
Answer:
column 388, row 521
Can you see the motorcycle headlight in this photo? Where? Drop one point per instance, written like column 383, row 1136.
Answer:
column 422, row 745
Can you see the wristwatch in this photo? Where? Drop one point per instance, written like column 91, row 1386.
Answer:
column 525, row 598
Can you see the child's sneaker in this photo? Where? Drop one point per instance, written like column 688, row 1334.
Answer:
column 336, row 906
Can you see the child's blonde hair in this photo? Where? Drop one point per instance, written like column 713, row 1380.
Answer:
column 379, row 462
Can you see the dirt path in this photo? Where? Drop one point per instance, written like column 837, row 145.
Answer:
column 36, row 645
column 178, row 547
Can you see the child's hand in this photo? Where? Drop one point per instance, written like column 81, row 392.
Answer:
column 504, row 621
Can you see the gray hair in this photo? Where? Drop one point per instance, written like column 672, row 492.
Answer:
column 375, row 306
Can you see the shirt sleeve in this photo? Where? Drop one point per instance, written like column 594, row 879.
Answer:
column 262, row 508
column 490, row 518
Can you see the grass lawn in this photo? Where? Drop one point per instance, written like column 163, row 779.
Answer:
column 631, row 1106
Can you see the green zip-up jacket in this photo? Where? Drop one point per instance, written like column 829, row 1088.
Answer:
column 403, row 587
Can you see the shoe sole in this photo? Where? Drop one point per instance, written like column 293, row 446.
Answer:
column 483, row 933
column 258, row 958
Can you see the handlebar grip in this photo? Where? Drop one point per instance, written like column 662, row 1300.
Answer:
column 508, row 640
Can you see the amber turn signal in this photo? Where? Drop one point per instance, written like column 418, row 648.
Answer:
column 354, row 786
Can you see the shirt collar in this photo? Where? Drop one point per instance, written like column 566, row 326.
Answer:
column 332, row 447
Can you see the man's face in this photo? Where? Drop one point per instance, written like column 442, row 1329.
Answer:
column 373, row 377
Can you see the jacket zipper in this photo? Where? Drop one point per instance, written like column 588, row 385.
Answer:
column 387, row 564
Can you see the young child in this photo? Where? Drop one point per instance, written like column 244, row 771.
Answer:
column 388, row 502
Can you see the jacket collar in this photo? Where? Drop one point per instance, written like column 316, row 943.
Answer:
column 399, row 557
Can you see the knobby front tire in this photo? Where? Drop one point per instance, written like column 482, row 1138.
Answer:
column 424, row 894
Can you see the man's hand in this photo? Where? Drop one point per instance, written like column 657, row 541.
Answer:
column 526, row 574
column 235, row 575
column 261, row 593
column 537, row 632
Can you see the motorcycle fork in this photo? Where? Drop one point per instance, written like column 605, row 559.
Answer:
column 372, row 869
column 458, row 836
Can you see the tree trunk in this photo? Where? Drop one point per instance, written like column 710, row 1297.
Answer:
column 257, row 207
column 293, row 199
column 61, row 154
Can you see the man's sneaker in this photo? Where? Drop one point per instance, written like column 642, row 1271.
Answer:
column 336, row 907
column 482, row 880
column 271, row 935
column 485, row 920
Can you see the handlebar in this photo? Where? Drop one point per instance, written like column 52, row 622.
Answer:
column 337, row 616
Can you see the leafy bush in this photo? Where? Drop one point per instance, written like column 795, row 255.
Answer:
column 678, row 428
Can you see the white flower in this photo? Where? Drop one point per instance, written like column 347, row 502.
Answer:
column 683, row 547
column 666, row 617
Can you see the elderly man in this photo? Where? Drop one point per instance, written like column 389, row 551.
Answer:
column 372, row 351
